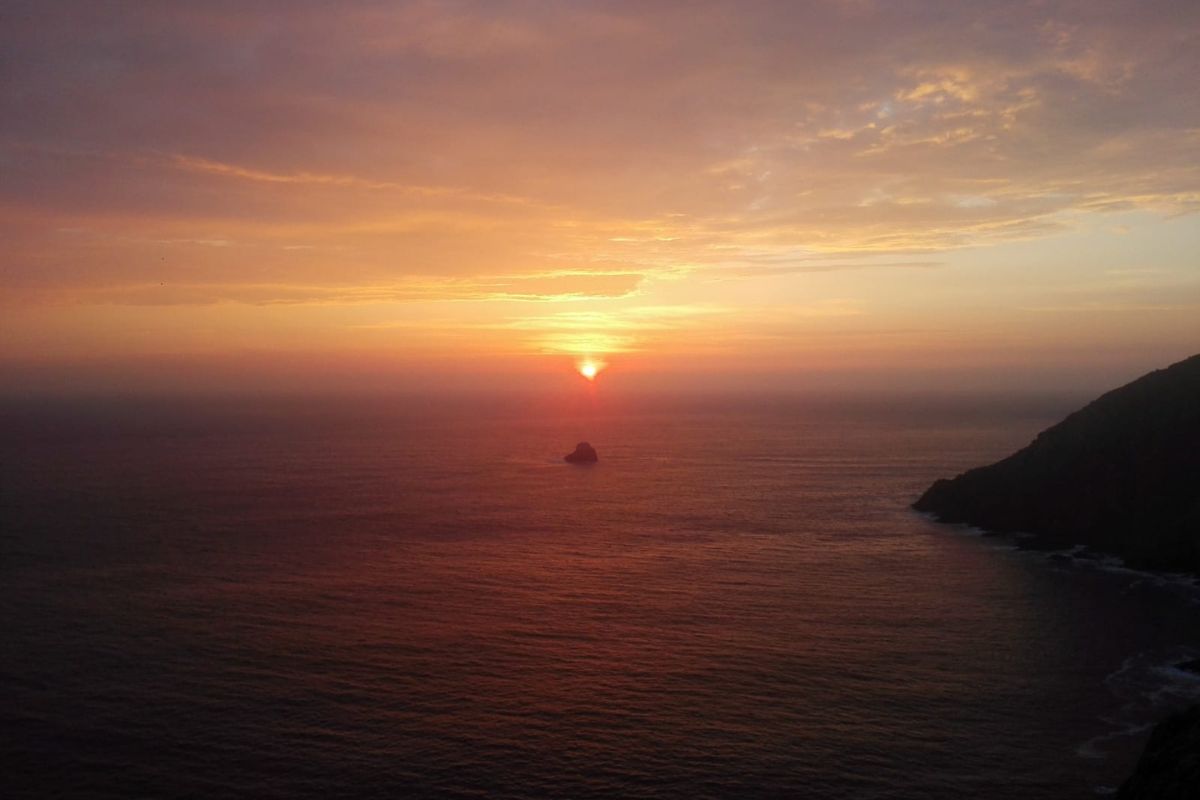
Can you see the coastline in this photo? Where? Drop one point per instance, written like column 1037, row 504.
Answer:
column 1078, row 554
column 1116, row 477
column 1155, row 689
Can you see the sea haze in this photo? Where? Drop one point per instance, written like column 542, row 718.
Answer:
column 418, row 598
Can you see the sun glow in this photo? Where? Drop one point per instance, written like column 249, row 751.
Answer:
column 589, row 369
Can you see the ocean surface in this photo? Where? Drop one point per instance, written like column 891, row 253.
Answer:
column 269, row 598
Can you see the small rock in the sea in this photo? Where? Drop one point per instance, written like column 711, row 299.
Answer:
column 584, row 454
column 1189, row 666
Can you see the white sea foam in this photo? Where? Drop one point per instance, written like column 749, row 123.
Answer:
column 1150, row 685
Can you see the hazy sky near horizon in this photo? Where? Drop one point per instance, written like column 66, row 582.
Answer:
column 843, row 193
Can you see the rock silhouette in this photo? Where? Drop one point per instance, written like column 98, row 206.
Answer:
column 1119, row 476
column 584, row 454
column 1169, row 768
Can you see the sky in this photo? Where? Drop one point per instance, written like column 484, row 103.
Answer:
column 699, row 195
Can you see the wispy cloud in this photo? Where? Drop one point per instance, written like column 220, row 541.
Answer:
column 302, row 178
column 774, row 267
column 530, row 288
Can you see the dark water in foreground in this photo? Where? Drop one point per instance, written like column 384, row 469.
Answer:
column 408, row 600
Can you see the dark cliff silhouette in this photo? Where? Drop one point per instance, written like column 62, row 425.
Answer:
column 1169, row 768
column 1121, row 476
column 584, row 454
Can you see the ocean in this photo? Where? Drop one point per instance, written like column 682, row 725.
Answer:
column 416, row 597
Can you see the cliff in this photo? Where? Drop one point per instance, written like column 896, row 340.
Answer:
column 1169, row 768
column 1121, row 475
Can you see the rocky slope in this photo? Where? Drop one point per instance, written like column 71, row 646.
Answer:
column 1169, row 768
column 1121, row 475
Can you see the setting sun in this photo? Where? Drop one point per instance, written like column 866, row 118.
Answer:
column 589, row 369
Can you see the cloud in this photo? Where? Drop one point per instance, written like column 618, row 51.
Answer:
column 309, row 179
column 773, row 268
column 625, row 110
column 535, row 288
column 656, row 155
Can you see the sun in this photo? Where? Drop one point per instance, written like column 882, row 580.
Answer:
column 589, row 369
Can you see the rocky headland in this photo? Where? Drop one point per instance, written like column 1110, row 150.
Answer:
column 1120, row 476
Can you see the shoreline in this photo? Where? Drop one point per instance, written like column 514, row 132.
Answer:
column 1154, row 689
